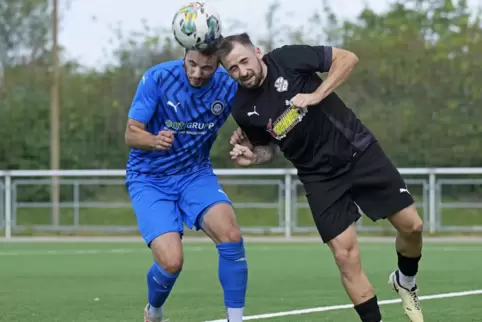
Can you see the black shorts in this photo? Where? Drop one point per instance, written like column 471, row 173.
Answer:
column 373, row 183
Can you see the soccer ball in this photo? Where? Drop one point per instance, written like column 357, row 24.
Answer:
column 196, row 26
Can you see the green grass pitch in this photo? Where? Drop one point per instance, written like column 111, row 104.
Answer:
column 105, row 282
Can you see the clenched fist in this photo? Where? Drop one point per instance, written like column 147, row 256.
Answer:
column 305, row 100
column 239, row 137
column 243, row 155
column 163, row 140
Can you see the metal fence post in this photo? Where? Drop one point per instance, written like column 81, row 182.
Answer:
column 426, row 206
column 8, row 205
column 75, row 204
column 288, row 203
column 432, row 183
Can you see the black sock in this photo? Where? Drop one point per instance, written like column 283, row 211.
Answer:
column 407, row 265
column 369, row 310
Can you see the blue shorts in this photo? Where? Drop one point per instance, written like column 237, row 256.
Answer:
column 165, row 204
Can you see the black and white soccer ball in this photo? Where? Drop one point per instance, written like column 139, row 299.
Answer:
column 196, row 26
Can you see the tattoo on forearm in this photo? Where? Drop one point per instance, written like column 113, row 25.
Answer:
column 265, row 153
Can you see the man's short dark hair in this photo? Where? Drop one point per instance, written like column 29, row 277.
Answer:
column 210, row 50
column 226, row 45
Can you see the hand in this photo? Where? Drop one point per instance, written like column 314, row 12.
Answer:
column 243, row 155
column 239, row 137
column 163, row 140
column 305, row 100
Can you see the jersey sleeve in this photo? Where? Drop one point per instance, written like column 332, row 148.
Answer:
column 145, row 100
column 305, row 58
column 257, row 136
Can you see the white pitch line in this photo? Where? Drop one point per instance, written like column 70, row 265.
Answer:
column 349, row 306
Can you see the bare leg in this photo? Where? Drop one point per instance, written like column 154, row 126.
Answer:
column 409, row 251
column 346, row 252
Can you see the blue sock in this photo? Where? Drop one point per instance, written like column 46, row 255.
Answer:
column 159, row 285
column 233, row 273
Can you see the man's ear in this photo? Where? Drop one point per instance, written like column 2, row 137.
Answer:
column 258, row 52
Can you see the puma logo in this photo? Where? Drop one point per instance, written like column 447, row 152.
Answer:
column 172, row 105
column 253, row 112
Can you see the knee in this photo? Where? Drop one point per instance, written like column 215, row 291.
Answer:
column 347, row 259
column 221, row 226
column 167, row 252
column 414, row 228
column 231, row 235
column 172, row 263
column 417, row 227
column 231, row 247
column 408, row 222
column 228, row 232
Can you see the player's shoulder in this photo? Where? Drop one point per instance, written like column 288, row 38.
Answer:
column 293, row 53
column 293, row 48
column 287, row 51
column 221, row 75
column 242, row 101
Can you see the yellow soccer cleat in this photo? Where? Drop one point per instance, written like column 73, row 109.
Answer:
column 410, row 301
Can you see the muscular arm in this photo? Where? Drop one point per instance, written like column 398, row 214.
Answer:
column 342, row 64
column 337, row 62
column 257, row 147
column 265, row 153
column 137, row 137
column 141, row 112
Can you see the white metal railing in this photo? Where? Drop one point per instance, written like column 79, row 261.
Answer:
column 289, row 174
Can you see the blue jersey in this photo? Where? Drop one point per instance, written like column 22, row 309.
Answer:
column 166, row 101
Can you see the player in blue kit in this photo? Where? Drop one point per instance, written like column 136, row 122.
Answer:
column 172, row 124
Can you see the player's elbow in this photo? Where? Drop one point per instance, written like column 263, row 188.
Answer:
column 129, row 136
column 277, row 151
column 274, row 151
column 345, row 57
column 350, row 58
column 353, row 58
column 133, row 130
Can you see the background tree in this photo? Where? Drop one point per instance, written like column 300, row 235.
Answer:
column 418, row 85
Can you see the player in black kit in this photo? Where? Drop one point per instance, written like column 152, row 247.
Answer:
column 282, row 104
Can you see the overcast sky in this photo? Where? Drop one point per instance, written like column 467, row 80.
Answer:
column 87, row 39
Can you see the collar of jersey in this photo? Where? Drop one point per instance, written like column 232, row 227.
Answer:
column 266, row 79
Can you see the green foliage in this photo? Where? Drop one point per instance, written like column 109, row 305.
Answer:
column 24, row 30
column 417, row 86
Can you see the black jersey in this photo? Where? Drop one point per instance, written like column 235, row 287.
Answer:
column 321, row 141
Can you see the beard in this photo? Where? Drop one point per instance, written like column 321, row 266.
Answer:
column 254, row 79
